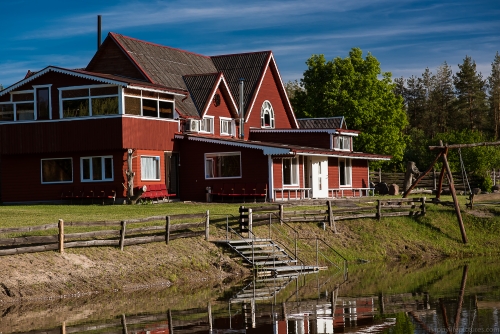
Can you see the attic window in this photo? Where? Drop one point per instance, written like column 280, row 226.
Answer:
column 267, row 115
column 89, row 100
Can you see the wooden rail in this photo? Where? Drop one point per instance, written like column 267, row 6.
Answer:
column 329, row 213
column 118, row 233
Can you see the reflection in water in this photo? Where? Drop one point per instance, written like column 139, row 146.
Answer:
column 378, row 298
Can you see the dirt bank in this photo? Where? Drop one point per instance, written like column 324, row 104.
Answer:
column 50, row 275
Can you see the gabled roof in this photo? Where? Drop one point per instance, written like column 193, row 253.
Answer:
column 200, row 88
column 161, row 64
column 99, row 77
column 322, row 123
column 278, row 149
column 247, row 66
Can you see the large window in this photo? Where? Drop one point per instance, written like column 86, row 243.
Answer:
column 345, row 172
column 343, row 143
column 21, row 107
column 222, row 165
column 57, row 170
column 150, row 168
column 226, row 126
column 267, row 115
column 290, row 171
column 42, row 94
column 150, row 104
column 97, row 168
column 89, row 101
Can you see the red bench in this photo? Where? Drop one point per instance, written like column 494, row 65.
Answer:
column 156, row 192
column 89, row 192
column 240, row 190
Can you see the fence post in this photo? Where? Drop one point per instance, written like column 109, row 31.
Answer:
column 61, row 236
column 250, row 222
column 379, row 210
column 63, row 327
column 270, row 222
column 281, row 214
column 494, row 177
column 317, row 253
column 434, row 177
column 209, row 311
column 122, row 234
column 330, row 213
column 124, row 324
column 207, row 226
column 167, row 230
column 379, row 175
column 422, row 206
column 170, row 324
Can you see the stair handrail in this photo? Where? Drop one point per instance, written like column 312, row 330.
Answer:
column 318, row 252
column 284, row 235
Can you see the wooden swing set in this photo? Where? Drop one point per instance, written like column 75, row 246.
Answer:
column 443, row 153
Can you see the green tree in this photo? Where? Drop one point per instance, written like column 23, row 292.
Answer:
column 356, row 88
column 494, row 95
column 292, row 87
column 471, row 97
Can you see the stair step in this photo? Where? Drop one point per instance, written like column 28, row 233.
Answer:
column 270, row 263
column 246, row 241
column 267, row 251
column 255, row 247
column 267, row 257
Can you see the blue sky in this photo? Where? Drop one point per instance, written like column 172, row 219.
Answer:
column 405, row 36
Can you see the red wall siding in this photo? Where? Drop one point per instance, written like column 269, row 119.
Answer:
column 219, row 111
column 359, row 173
column 278, row 177
column 192, row 169
column 136, row 165
column 21, row 176
column 278, row 172
column 111, row 59
column 148, row 134
column 321, row 140
column 333, row 173
column 63, row 136
column 268, row 91
column 57, row 80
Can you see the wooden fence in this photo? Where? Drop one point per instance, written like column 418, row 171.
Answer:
column 116, row 233
column 330, row 211
column 431, row 180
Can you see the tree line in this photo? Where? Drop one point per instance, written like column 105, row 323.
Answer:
column 402, row 117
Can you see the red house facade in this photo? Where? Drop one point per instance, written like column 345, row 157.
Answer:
column 187, row 121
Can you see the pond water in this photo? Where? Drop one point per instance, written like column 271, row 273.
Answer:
column 447, row 297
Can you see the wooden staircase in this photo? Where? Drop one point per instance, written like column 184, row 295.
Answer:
column 262, row 289
column 267, row 258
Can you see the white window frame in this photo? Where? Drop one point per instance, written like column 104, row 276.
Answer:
column 294, row 171
column 347, row 172
column 158, row 166
column 203, row 124
column 208, row 157
column 267, row 109
column 231, row 126
column 89, row 97
column 140, row 97
column 21, row 102
column 41, row 170
column 35, row 88
column 103, row 170
column 341, row 141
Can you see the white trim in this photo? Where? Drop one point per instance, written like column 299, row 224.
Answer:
column 343, row 156
column 211, row 118
column 121, row 101
column 159, row 166
column 270, row 190
column 228, row 91
column 138, row 87
column 231, row 124
column 347, row 167
column 265, row 149
column 87, row 87
column 62, row 71
column 264, row 130
column 35, row 87
column 267, row 108
column 41, row 171
column 284, row 90
column 257, row 90
column 103, row 169
column 331, row 141
column 219, row 154
column 297, row 176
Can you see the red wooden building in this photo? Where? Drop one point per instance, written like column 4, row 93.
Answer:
column 188, row 120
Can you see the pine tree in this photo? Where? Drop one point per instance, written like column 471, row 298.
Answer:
column 443, row 97
column 494, row 93
column 471, row 97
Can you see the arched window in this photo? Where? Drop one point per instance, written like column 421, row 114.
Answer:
column 267, row 115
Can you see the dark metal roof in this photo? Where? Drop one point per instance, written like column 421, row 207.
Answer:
column 165, row 65
column 200, row 87
column 247, row 66
column 322, row 123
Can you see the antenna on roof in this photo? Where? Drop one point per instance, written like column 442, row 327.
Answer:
column 98, row 31
column 242, row 112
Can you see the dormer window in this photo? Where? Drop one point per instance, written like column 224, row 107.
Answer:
column 343, row 143
column 207, row 125
column 267, row 115
column 226, row 126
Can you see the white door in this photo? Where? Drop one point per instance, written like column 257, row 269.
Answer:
column 319, row 177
